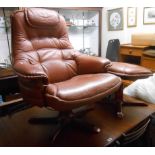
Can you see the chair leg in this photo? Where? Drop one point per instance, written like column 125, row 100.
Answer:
column 84, row 125
column 62, row 120
column 119, row 101
column 45, row 120
column 57, row 130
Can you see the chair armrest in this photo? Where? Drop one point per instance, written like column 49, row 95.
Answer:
column 32, row 81
column 29, row 71
column 91, row 64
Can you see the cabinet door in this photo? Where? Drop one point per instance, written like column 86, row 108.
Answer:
column 74, row 21
column 91, row 32
column 5, row 36
column 83, row 29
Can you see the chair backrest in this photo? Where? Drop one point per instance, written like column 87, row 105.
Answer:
column 113, row 50
column 40, row 37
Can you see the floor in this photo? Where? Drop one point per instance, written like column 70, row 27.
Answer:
column 15, row 130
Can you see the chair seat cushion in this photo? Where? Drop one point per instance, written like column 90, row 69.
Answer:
column 80, row 90
column 128, row 70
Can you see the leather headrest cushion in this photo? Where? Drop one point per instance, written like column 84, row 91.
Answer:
column 39, row 17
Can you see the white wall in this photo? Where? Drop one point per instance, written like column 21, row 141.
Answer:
column 123, row 35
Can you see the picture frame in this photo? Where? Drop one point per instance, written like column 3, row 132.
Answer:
column 149, row 15
column 115, row 19
column 131, row 16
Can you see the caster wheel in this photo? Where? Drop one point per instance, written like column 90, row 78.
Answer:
column 120, row 115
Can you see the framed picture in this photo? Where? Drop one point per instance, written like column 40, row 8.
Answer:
column 149, row 15
column 131, row 17
column 115, row 19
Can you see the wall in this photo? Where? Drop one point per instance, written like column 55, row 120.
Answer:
column 124, row 35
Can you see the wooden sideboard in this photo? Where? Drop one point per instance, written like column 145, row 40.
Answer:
column 134, row 54
column 148, row 61
column 8, row 84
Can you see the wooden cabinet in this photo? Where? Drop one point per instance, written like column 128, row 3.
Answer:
column 134, row 54
column 131, row 53
column 148, row 62
column 9, row 88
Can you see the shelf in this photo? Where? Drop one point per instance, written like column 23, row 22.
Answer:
column 78, row 14
column 11, row 102
column 72, row 24
column 4, row 27
column 69, row 24
column 82, row 26
column 91, row 26
column 10, row 99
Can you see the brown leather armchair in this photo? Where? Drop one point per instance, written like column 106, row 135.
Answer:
column 51, row 73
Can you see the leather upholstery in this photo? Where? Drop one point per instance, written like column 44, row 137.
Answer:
column 80, row 90
column 39, row 18
column 126, row 70
column 51, row 72
column 27, row 38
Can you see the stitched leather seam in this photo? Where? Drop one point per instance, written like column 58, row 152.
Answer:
column 129, row 75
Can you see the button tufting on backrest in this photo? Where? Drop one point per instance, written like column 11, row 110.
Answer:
column 58, row 64
column 51, row 31
column 41, row 38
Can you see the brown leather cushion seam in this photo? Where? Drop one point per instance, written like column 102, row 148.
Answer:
column 130, row 74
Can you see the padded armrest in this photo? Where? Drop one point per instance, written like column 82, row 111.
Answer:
column 91, row 64
column 28, row 71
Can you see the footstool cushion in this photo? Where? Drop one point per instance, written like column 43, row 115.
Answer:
column 127, row 71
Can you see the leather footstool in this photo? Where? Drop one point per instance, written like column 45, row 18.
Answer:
column 129, row 71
